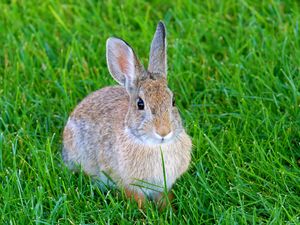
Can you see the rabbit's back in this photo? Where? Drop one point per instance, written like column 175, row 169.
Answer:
column 89, row 134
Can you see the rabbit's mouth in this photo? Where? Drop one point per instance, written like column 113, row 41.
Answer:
column 150, row 139
column 165, row 138
column 156, row 139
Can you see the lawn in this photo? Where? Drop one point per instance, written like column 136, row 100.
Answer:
column 235, row 69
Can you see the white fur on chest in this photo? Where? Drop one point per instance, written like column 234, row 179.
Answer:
column 145, row 170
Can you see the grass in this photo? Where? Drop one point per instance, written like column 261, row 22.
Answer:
column 234, row 66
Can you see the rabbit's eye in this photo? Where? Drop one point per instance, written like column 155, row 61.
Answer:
column 140, row 104
column 173, row 101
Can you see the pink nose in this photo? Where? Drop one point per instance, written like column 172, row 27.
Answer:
column 163, row 131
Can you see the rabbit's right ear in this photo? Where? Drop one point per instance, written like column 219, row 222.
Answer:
column 122, row 63
column 158, row 51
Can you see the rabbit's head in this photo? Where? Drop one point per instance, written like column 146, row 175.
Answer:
column 152, row 117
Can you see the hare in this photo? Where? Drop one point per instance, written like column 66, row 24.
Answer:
column 122, row 132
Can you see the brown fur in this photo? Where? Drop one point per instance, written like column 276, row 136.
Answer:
column 139, row 198
column 107, row 134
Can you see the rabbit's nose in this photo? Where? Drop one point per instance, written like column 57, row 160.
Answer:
column 162, row 125
column 163, row 131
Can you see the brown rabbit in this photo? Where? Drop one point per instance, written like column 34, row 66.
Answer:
column 121, row 131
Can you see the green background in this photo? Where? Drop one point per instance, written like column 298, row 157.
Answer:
column 234, row 66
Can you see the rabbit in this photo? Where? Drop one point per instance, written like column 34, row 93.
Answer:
column 119, row 134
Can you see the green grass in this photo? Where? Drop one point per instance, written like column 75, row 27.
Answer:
column 234, row 66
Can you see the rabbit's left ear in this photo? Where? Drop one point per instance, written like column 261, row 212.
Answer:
column 158, row 52
column 123, row 64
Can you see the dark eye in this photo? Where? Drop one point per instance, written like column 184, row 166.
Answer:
column 173, row 101
column 140, row 104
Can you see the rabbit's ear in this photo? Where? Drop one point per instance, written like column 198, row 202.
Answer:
column 158, row 51
column 122, row 63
